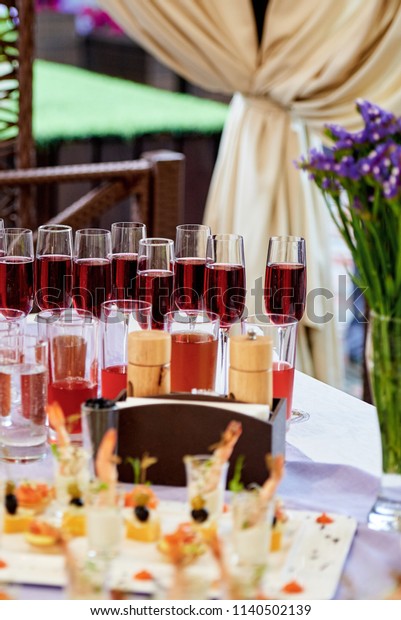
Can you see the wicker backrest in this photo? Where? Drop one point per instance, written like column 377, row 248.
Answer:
column 154, row 184
column 16, row 140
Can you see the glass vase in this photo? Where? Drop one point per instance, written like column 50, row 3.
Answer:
column 384, row 364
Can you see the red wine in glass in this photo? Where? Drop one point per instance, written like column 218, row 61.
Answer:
column 225, row 291
column 285, row 289
column 283, row 383
column 114, row 380
column 198, row 352
column 124, row 270
column 53, row 281
column 70, row 393
column 92, row 283
column 16, row 283
column 156, row 287
column 189, row 283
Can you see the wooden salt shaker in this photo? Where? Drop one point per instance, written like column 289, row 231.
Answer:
column 149, row 356
column 250, row 374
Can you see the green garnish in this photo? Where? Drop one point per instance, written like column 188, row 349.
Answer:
column 235, row 483
column 98, row 487
column 55, row 450
column 140, row 466
column 136, row 468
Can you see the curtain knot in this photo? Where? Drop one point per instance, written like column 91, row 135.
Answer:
column 264, row 103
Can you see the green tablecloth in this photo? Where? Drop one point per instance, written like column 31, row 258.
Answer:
column 75, row 104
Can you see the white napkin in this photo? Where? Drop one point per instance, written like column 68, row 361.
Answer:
column 260, row 412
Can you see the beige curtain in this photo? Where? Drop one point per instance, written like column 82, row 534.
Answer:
column 315, row 59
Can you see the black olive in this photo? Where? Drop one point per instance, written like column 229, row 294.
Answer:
column 76, row 501
column 11, row 503
column 199, row 515
column 141, row 513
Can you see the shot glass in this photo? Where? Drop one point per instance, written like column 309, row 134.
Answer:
column 73, row 338
column 87, row 576
column 206, row 482
column 252, row 523
column 282, row 329
column 104, row 524
column 193, row 585
column 120, row 317
column 194, row 339
column 2, row 499
column 72, row 473
column 23, row 397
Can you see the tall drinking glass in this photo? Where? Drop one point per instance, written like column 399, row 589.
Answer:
column 225, row 287
column 156, row 276
column 190, row 262
column 23, row 396
column 16, row 270
column 119, row 318
column 125, row 237
column 285, row 281
column 43, row 321
column 54, row 266
column 194, row 340
column 282, row 330
column 285, row 284
column 73, row 338
column 92, row 269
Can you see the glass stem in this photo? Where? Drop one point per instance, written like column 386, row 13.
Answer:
column 223, row 335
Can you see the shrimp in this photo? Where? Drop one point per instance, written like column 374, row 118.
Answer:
column 266, row 493
column 224, row 448
column 182, row 547
column 276, row 467
column 106, row 461
column 216, row 548
column 106, row 467
column 222, row 452
column 57, row 421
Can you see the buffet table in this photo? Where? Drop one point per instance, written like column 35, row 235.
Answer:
column 333, row 465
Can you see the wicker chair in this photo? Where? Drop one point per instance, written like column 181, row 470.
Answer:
column 154, row 183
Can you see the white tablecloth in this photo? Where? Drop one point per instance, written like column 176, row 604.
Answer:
column 341, row 430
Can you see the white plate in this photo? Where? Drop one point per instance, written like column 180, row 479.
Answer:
column 311, row 554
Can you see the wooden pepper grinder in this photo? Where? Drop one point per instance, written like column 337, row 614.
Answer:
column 250, row 374
column 149, row 356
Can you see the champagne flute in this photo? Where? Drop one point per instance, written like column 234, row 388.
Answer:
column 225, row 287
column 16, row 269
column 190, row 262
column 285, row 282
column 125, row 237
column 156, row 276
column 92, row 269
column 285, row 286
column 54, row 266
column 2, row 239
